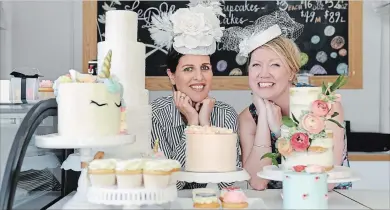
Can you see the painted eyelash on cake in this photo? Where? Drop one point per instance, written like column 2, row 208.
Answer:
column 119, row 105
column 94, row 102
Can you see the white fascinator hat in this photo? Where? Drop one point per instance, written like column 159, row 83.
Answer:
column 264, row 29
column 193, row 30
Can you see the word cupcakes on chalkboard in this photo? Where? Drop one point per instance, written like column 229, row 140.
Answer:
column 322, row 25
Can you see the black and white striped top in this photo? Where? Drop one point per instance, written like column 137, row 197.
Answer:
column 168, row 127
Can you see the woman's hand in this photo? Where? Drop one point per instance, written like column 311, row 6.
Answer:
column 274, row 117
column 259, row 183
column 184, row 104
column 205, row 107
column 259, row 104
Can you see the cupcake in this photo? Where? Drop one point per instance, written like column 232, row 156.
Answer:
column 102, row 172
column 157, row 174
column 233, row 198
column 129, row 173
column 205, row 198
column 176, row 167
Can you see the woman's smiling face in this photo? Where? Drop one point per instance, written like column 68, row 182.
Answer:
column 193, row 76
column 268, row 73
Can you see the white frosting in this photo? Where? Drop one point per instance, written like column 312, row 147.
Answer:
column 171, row 163
column 78, row 117
column 207, row 130
column 132, row 164
column 123, row 20
column 198, row 198
column 211, row 152
column 157, row 165
column 102, row 164
column 301, row 99
column 128, row 64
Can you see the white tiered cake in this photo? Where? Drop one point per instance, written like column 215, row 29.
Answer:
column 128, row 64
column 305, row 140
column 320, row 150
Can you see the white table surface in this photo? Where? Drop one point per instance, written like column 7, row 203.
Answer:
column 273, row 200
column 378, row 199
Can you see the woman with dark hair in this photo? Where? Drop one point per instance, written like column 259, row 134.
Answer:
column 190, row 73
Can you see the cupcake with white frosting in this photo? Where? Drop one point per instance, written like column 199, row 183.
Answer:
column 129, row 173
column 157, row 174
column 102, row 172
column 176, row 167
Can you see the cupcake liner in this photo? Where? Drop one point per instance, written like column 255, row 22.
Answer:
column 126, row 181
column 156, row 179
column 173, row 179
column 102, row 180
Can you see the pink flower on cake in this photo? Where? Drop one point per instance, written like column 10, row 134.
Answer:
column 300, row 142
column 312, row 124
column 299, row 168
column 284, row 147
column 319, row 108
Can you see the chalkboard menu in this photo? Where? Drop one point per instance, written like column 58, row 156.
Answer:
column 324, row 41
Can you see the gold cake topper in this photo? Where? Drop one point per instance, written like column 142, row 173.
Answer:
column 155, row 147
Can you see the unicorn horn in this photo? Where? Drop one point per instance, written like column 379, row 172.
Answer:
column 106, row 68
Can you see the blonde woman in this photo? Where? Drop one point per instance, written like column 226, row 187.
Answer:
column 272, row 64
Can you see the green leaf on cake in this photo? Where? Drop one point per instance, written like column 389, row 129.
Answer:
column 288, row 122
column 337, row 123
column 335, row 114
column 268, row 155
column 295, row 119
column 323, row 88
column 340, row 81
column 273, row 157
column 275, row 162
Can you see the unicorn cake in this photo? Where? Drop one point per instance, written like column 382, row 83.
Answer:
column 304, row 139
column 90, row 106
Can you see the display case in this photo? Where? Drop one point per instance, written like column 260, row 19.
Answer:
column 30, row 177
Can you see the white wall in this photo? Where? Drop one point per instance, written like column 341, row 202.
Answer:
column 48, row 36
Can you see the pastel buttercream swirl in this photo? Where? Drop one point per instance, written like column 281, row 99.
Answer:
column 196, row 129
column 234, row 197
column 105, row 77
column 157, row 165
column 130, row 165
column 102, row 164
column 112, row 83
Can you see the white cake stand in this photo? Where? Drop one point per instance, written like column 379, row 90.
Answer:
column 131, row 198
column 233, row 176
column 55, row 141
column 338, row 174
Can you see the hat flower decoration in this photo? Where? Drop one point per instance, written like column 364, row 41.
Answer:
column 193, row 30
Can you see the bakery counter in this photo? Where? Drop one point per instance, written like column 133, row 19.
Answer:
column 271, row 199
column 369, row 156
